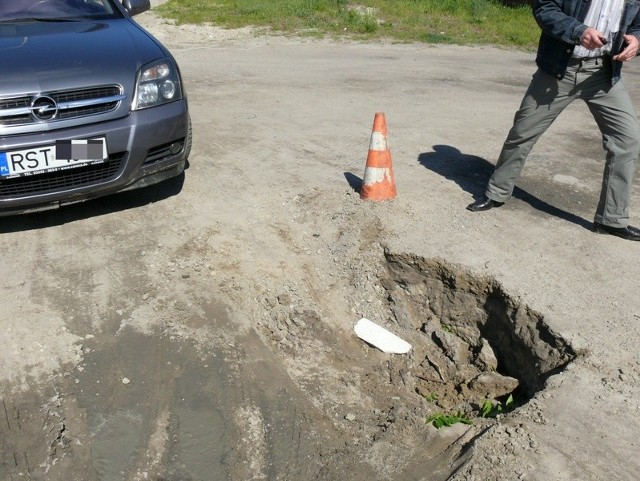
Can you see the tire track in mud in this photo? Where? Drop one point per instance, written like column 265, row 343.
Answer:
column 200, row 392
column 183, row 413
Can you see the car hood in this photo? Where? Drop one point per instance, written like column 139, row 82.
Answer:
column 46, row 56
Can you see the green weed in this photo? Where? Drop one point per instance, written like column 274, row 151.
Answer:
column 433, row 397
column 450, row 329
column 439, row 420
column 491, row 408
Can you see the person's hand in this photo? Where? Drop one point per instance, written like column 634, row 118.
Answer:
column 630, row 49
column 592, row 39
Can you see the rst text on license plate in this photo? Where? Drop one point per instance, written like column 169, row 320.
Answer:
column 63, row 155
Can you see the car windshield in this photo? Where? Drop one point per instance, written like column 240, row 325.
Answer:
column 56, row 10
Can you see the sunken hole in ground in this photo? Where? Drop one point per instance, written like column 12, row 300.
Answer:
column 471, row 340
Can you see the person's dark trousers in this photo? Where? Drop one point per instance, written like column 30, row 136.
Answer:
column 612, row 108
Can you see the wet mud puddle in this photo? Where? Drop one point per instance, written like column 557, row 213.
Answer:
column 158, row 408
column 153, row 405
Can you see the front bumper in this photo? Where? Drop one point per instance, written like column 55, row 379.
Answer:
column 144, row 148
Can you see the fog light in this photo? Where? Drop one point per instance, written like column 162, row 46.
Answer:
column 175, row 148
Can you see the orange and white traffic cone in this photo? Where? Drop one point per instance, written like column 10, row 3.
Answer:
column 378, row 182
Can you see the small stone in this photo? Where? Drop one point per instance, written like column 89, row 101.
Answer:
column 486, row 357
column 284, row 299
column 350, row 417
column 125, row 380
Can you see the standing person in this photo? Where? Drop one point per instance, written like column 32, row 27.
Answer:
column 582, row 47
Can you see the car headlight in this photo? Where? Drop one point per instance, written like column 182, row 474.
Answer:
column 158, row 83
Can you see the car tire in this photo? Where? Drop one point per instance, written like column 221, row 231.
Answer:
column 188, row 142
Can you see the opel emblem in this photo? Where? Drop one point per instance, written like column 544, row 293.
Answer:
column 44, row 108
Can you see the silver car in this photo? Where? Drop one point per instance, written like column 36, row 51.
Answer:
column 90, row 103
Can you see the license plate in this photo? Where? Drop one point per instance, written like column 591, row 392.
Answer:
column 65, row 154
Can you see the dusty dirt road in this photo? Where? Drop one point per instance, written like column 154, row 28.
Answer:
column 203, row 329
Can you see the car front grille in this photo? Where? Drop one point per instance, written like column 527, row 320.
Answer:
column 63, row 179
column 70, row 104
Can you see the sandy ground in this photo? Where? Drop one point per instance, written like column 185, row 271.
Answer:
column 203, row 329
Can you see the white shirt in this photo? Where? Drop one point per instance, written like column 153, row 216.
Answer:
column 605, row 17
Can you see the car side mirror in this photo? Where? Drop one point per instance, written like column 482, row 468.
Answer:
column 134, row 7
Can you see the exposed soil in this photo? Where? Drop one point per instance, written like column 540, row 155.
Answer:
column 203, row 328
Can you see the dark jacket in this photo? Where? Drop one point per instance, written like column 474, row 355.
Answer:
column 562, row 29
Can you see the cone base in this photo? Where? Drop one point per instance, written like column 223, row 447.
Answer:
column 379, row 192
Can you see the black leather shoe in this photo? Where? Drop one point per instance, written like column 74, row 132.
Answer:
column 628, row 233
column 483, row 203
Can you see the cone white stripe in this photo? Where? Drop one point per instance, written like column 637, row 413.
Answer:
column 378, row 142
column 373, row 175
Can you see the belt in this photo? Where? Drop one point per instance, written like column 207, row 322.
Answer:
column 587, row 59
column 600, row 60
